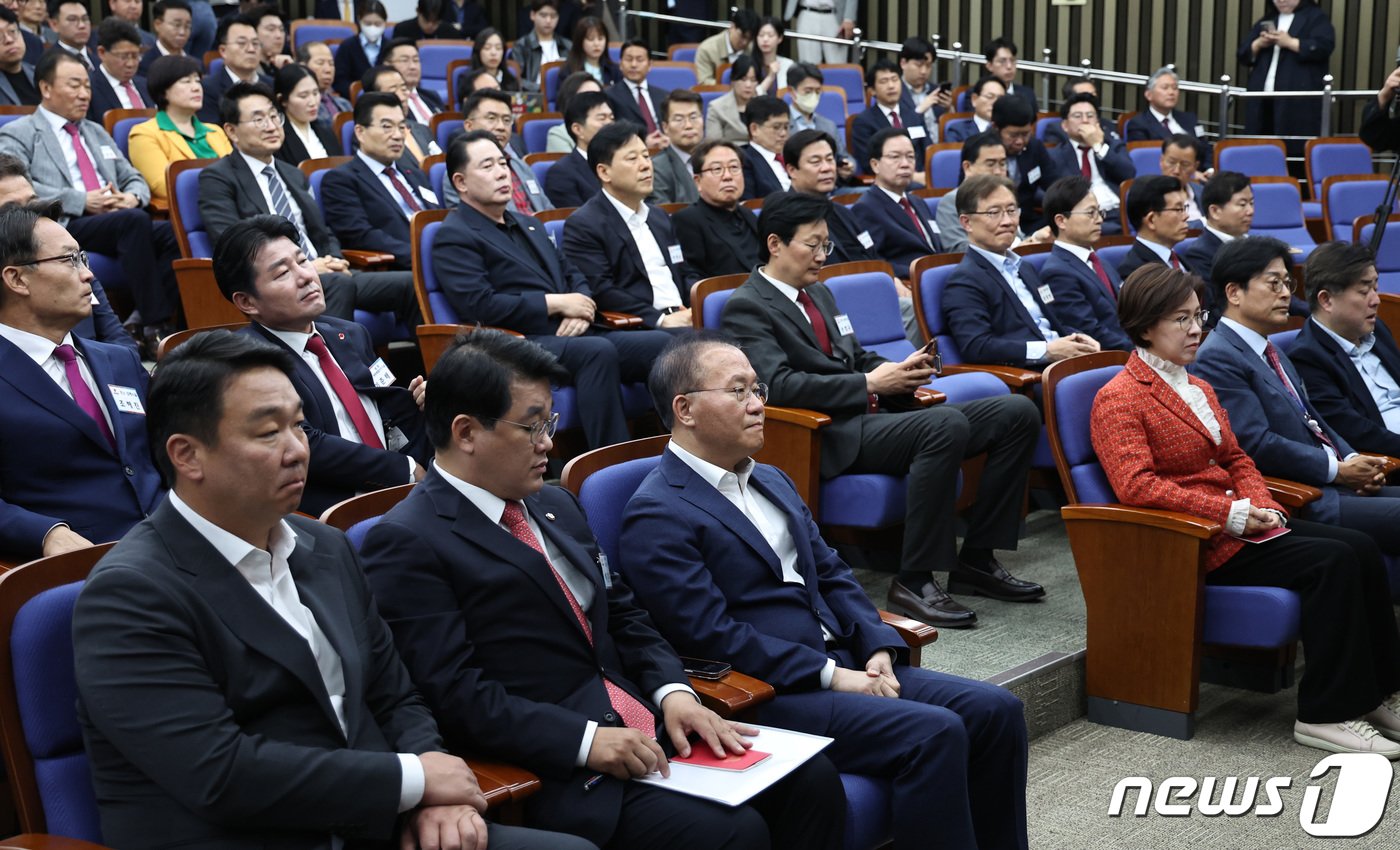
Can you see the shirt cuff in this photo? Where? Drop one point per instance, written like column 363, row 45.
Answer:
column 412, row 465
column 828, row 673
column 666, row 690
column 1035, row 351
column 1239, row 515
column 1331, row 466
column 587, row 744
column 411, row 787
column 1102, row 150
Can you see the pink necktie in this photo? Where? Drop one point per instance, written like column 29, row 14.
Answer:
column 646, row 112
column 424, row 112
column 131, row 92
column 343, row 391
column 1271, row 355
column 81, row 393
column 914, row 217
column 1102, row 273
column 634, row 714
column 393, row 175
column 91, row 182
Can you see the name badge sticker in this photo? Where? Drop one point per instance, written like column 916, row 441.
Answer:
column 428, row 195
column 843, row 324
column 916, row 133
column 864, row 239
column 127, row 399
column 606, row 570
column 532, row 187
column 1045, row 294
column 676, row 255
column 380, row 373
column 1033, row 176
column 109, row 152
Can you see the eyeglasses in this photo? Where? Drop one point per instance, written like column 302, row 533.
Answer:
column 1092, row 212
column 688, row 118
column 741, row 394
column 126, row 55
column 823, row 248
column 538, row 431
column 1197, row 318
column 244, row 44
column 998, row 213
column 900, row 157
column 78, row 260
column 1277, row 283
column 1179, row 210
column 733, row 170
column 180, row 27
column 276, row 119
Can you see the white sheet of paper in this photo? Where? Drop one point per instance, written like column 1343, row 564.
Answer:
column 790, row 749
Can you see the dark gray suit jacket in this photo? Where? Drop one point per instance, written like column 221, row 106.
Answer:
column 8, row 96
column 229, row 193
column 204, row 716
column 672, row 180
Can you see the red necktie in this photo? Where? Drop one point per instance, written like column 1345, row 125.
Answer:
column 393, row 175
column 1166, row 124
column 91, row 182
column 1176, row 261
column 824, row 340
column 634, row 714
column 646, row 112
column 82, row 394
column 778, row 158
column 131, row 92
column 1084, row 163
column 1102, row 273
column 1271, row 355
column 913, row 216
column 343, row 391
column 894, row 120
column 518, row 196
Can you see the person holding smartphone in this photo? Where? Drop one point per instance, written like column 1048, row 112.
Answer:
column 1287, row 50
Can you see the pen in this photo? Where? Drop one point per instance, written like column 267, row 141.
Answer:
column 592, row 782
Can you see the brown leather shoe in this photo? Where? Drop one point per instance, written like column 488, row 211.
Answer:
column 930, row 605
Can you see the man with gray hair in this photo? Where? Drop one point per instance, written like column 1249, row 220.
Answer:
column 1161, row 119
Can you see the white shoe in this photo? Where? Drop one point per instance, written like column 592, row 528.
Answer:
column 1351, row 736
column 1386, row 717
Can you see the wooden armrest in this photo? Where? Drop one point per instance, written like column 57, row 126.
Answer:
column 914, row 633
column 1291, row 494
column 38, row 841
column 800, row 416
column 1391, row 464
column 367, row 259
column 928, row 397
column 732, row 695
column 510, row 783
column 1015, row 378
column 617, row 321
column 159, row 205
column 1180, row 523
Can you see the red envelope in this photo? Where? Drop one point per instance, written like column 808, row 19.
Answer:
column 702, row 756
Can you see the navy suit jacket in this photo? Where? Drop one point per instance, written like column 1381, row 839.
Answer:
column 715, row 586
column 99, row 492
column 104, row 97
column 570, row 181
column 351, row 62
column 1114, row 168
column 759, row 179
column 1338, row 391
column 488, row 279
column 845, row 230
column 596, row 237
column 959, row 130
column 1034, row 160
column 1140, row 255
column 364, row 215
column 1144, row 126
column 214, row 87
column 34, row 48
column 1267, row 420
column 340, row 468
column 896, row 238
column 625, row 105
column 987, row 320
column 1081, row 300
column 872, row 120
column 496, row 650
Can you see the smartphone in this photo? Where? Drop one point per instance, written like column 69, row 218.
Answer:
column 711, row 671
column 932, row 348
column 946, row 85
column 1267, row 26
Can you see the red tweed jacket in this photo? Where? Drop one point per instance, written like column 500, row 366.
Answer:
column 1157, row 454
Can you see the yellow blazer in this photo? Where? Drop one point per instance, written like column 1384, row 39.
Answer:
column 152, row 149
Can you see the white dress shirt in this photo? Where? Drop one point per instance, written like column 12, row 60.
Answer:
column 270, row 576
column 41, row 351
column 898, row 201
column 1284, row 22
column 1383, row 386
column 1219, row 234
column 1257, row 343
column 494, row 507
column 664, row 293
column 314, row 148
column 1106, row 195
column 377, row 169
column 1167, row 117
column 65, row 144
column 261, row 179
column 420, row 109
column 1010, row 267
column 772, row 160
column 120, row 89
column 640, row 90
column 1160, row 250
column 767, row 518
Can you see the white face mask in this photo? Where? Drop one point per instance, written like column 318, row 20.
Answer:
column 807, row 101
column 371, row 33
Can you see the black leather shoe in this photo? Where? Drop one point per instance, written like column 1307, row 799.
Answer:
column 993, row 581
column 930, row 605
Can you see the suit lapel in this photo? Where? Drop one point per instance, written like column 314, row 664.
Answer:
column 349, row 360
column 310, row 388
column 702, row 495
column 1009, row 296
column 371, row 182
column 49, row 142
column 789, row 310
column 248, row 184
column 572, row 551
column 102, row 376
column 26, row 376
column 1168, row 397
column 629, row 245
column 241, row 609
column 320, row 590
column 106, row 168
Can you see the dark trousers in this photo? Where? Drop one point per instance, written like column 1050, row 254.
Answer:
column 145, row 250
column 807, row 810
column 1347, row 622
column 953, row 749
column 601, row 362
column 929, row 445
column 522, row 838
column 1378, row 516
column 375, row 292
